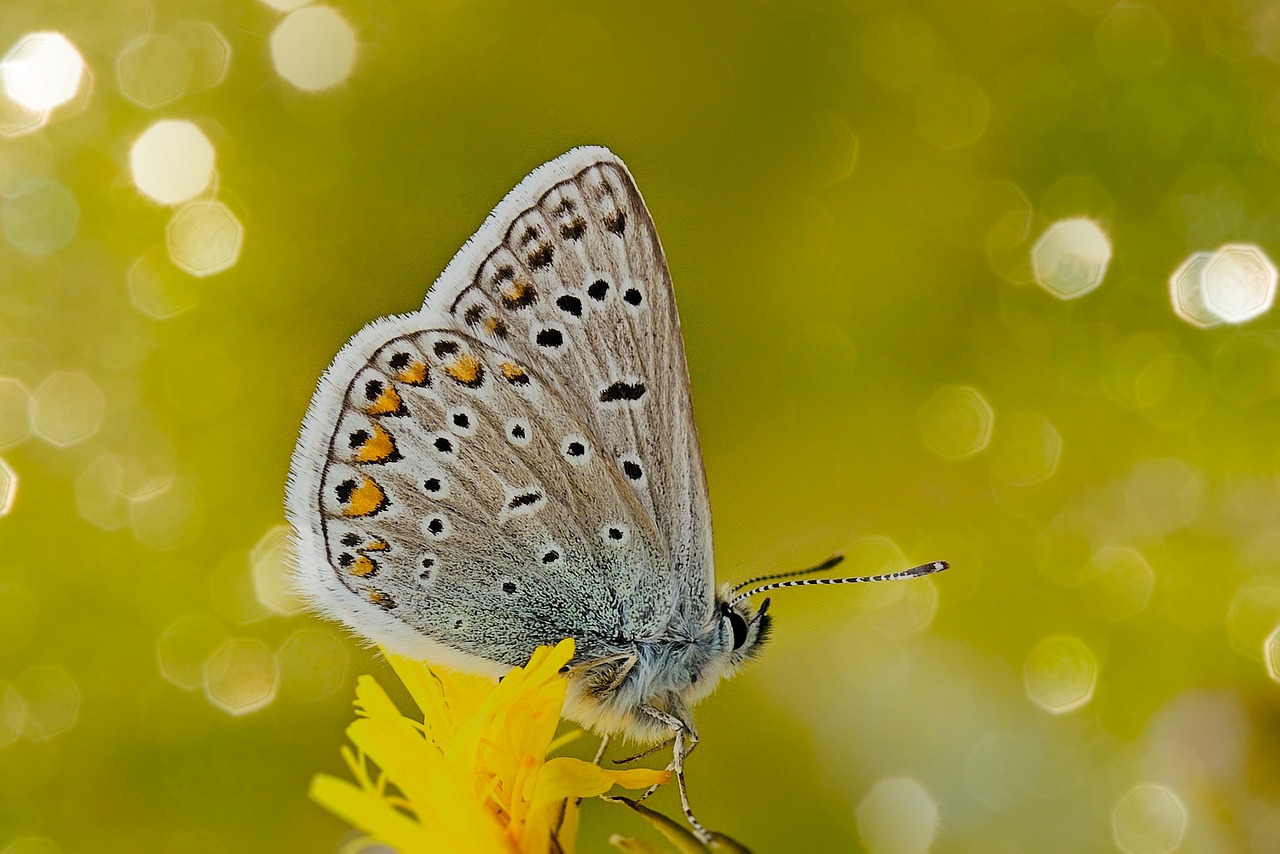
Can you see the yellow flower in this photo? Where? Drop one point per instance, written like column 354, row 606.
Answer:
column 473, row 776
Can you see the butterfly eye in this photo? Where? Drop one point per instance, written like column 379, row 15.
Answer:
column 739, row 626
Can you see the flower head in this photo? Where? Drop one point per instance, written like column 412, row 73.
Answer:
column 474, row 774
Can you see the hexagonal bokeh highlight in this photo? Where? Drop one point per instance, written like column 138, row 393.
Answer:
column 956, row 422
column 204, row 238
column 158, row 289
column 271, row 566
column 172, row 161
column 952, row 111
column 1117, row 583
column 1028, row 451
column 186, row 645
column 1070, row 259
column 208, row 49
column 153, row 70
column 241, row 676
column 100, row 494
column 1186, row 291
column 67, row 408
column 1060, row 674
column 40, row 218
column 1149, row 819
column 15, row 412
column 1271, row 654
column 1239, row 283
column 8, row 488
column 167, row 515
column 314, row 664
column 898, row 816
column 52, row 700
column 314, row 48
column 42, row 71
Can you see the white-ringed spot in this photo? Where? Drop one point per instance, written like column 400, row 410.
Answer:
column 518, row 431
column 615, row 534
column 575, row 449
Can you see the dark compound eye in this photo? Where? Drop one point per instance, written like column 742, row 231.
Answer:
column 739, row 626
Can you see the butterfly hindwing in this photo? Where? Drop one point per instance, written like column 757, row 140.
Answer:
column 516, row 462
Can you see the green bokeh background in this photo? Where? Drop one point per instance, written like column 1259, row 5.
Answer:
column 848, row 194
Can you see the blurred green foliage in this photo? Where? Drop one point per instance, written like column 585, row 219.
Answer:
column 849, row 195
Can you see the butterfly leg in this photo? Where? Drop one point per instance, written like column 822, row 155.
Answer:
column 604, row 742
column 684, row 733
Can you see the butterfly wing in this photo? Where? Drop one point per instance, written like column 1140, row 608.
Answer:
column 516, row 462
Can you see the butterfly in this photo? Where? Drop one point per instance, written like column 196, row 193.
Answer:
column 516, row 462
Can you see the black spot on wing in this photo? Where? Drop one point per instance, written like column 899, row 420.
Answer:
column 622, row 391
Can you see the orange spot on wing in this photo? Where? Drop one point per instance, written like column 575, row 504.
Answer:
column 378, row 448
column 381, row 599
column 366, row 499
column 465, row 369
column 414, row 374
column 387, row 403
column 519, row 293
column 377, row 546
column 512, row 372
column 362, row 567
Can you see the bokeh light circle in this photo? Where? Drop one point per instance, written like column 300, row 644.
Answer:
column 314, row 48
column 42, row 71
column 1060, row 674
column 1149, row 819
column 204, row 238
column 1070, row 259
column 172, row 161
column 1239, row 283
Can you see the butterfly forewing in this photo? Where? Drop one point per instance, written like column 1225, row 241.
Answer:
column 579, row 284
column 516, row 462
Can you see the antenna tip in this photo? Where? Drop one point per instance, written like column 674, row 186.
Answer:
column 927, row 568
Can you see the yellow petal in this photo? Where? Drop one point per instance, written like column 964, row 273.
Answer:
column 566, row 777
column 372, row 701
column 370, row 813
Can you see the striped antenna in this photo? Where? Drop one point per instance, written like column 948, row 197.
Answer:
column 830, row 562
column 913, row 572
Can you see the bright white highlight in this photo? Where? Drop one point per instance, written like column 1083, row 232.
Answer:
column 314, row 48
column 1070, row 259
column 42, row 71
column 172, row 161
column 1239, row 283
